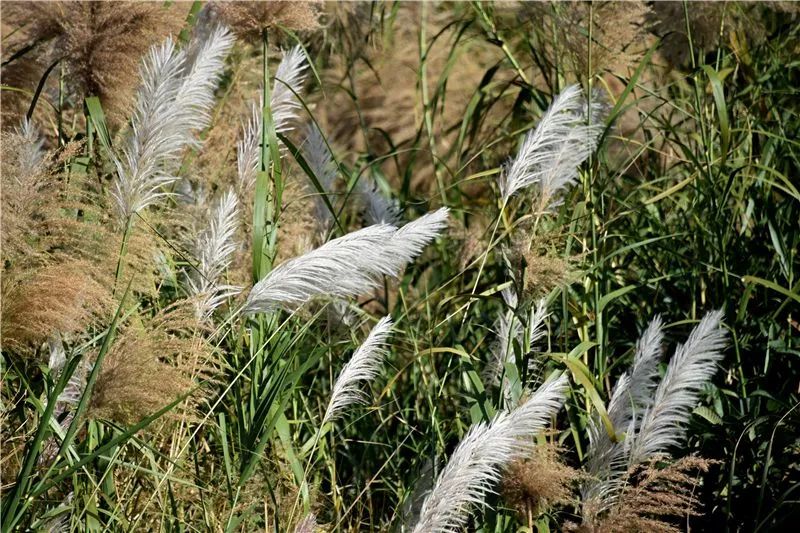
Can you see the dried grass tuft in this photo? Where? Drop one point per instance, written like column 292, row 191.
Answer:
column 151, row 363
column 655, row 499
column 101, row 42
column 58, row 297
column 533, row 484
column 248, row 19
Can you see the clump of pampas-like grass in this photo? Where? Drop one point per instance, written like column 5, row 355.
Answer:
column 648, row 414
column 100, row 44
column 476, row 465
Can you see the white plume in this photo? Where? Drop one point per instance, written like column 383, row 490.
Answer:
column 476, row 464
column 408, row 241
column 348, row 266
column 692, row 366
column 172, row 104
column 284, row 105
column 631, row 397
column 551, row 153
column 307, row 524
column 320, row 161
column 363, row 366
column 289, row 79
column 214, row 250
column 377, row 207
column 649, row 416
column 30, row 153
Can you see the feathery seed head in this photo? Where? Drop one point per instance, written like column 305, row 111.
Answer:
column 476, row 464
column 284, row 105
column 551, row 153
column 345, row 267
column 174, row 100
column 363, row 366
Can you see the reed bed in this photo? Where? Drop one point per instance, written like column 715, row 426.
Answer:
column 399, row 266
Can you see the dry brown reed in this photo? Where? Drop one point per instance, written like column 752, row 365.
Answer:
column 656, row 498
column 537, row 260
column 249, row 18
column 101, row 43
column 538, row 482
column 152, row 362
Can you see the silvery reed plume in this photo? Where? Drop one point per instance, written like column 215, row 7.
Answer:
column 363, row 366
column 320, row 160
column 30, row 153
column 307, row 524
column 284, row 105
column 476, row 464
column 508, row 329
column 649, row 416
column 173, row 103
column 377, row 207
column 551, row 153
column 348, row 266
column 213, row 252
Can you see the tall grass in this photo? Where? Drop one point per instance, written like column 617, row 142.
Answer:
column 383, row 266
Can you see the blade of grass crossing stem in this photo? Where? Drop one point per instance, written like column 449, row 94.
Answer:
column 266, row 198
column 722, row 111
column 298, row 156
column 94, row 112
column 583, row 376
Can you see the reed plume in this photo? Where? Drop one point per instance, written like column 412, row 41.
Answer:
column 551, row 153
column 173, row 103
column 30, row 150
column 651, row 414
column 539, row 481
column 151, row 362
column 363, row 366
column 213, row 251
column 307, row 525
column 284, row 106
column 348, row 266
column 476, row 464
column 690, row 369
column 631, row 397
column 249, row 18
column 320, row 160
column 655, row 498
column 377, row 207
